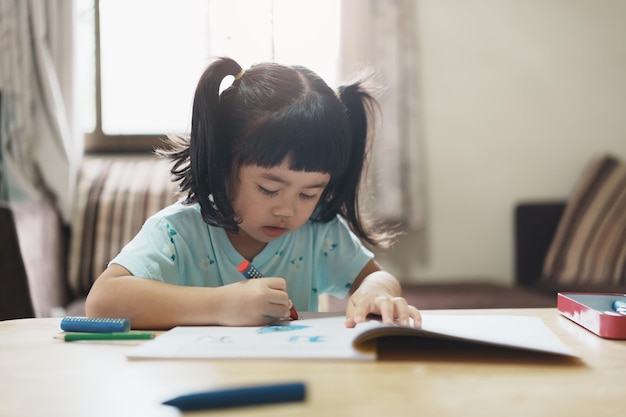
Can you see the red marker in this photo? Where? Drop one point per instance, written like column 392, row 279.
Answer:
column 249, row 271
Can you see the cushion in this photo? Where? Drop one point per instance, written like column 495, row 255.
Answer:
column 114, row 198
column 588, row 251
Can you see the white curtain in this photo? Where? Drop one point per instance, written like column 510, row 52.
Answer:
column 39, row 146
column 382, row 35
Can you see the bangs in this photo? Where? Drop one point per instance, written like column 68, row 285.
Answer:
column 314, row 141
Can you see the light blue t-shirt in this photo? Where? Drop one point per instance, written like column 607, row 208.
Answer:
column 176, row 246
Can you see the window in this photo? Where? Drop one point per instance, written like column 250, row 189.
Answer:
column 138, row 74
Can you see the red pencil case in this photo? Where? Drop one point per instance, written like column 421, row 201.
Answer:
column 594, row 312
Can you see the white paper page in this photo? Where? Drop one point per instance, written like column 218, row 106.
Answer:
column 321, row 338
column 522, row 332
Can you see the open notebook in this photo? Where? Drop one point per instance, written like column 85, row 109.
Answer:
column 327, row 338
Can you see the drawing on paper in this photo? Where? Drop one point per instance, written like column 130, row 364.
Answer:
column 277, row 328
column 214, row 339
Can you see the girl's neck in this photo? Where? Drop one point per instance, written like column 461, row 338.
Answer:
column 245, row 245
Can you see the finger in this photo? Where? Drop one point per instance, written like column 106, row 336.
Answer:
column 350, row 315
column 264, row 320
column 401, row 308
column 279, row 297
column 415, row 314
column 277, row 311
column 275, row 283
column 276, row 301
column 360, row 310
column 386, row 308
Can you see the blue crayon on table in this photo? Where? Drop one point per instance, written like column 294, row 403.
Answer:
column 250, row 272
column 94, row 324
column 237, row 397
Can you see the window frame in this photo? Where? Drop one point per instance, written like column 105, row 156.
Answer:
column 100, row 142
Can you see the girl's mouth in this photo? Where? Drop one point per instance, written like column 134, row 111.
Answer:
column 274, row 231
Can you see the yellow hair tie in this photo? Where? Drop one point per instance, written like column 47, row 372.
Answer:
column 240, row 74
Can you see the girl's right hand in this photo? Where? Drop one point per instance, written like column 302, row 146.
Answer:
column 253, row 302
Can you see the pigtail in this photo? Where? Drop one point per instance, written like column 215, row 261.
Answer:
column 198, row 162
column 361, row 108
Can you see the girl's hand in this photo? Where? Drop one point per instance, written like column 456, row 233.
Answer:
column 378, row 292
column 391, row 309
column 253, row 302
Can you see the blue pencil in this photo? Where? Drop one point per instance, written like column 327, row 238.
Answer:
column 237, row 397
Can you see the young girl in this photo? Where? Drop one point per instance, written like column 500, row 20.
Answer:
column 271, row 172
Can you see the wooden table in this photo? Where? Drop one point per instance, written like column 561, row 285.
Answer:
column 43, row 376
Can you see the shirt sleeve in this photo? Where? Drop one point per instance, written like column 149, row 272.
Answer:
column 342, row 257
column 151, row 253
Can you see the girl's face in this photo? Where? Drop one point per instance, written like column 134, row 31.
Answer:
column 273, row 201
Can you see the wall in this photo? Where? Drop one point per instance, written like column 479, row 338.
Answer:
column 518, row 96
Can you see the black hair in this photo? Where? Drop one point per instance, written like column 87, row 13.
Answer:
column 272, row 112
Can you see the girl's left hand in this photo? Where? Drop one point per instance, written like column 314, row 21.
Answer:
column 393, row 310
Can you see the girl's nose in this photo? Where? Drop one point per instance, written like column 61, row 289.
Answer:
column 283, row 208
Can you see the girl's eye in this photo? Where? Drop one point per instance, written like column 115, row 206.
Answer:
column 267, row 192
column 308, row 196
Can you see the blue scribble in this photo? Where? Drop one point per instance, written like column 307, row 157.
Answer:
column 317, row 339
column 309, row 339
column 274, row 328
